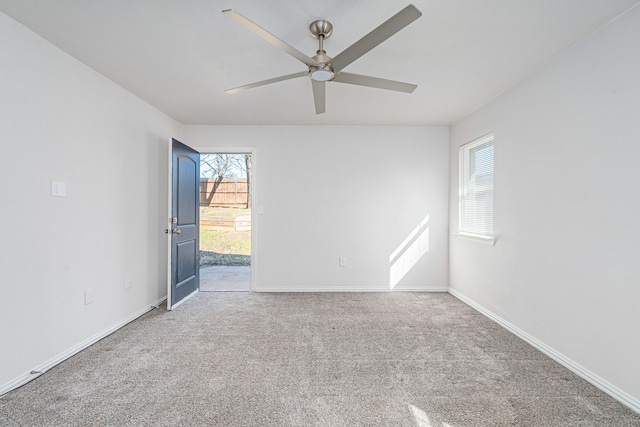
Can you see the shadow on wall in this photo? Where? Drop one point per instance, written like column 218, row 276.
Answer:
column 402, row 260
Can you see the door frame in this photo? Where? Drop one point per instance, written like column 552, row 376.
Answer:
column 253, row 192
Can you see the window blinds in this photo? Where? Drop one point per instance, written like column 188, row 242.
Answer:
column 476, row 187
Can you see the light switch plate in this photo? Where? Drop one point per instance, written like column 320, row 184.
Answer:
column 58, row 189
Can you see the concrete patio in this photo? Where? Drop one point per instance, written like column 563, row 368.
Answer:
column 220, row 278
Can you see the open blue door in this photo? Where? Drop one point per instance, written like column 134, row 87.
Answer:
column 184, row 272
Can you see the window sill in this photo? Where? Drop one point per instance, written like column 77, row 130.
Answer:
column 487, row 240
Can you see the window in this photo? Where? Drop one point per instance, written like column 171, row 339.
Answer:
column 476, row 187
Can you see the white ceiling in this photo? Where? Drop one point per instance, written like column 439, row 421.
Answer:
column 180, row 55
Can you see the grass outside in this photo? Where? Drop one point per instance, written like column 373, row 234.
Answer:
column 224, row 247
column 210, row 211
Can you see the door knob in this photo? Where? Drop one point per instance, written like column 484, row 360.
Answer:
column 175, row 231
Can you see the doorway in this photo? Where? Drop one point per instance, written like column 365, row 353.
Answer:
column 225, row 221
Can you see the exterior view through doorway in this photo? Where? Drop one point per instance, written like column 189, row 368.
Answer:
column 225, row 221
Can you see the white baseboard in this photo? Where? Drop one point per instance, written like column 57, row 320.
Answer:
column 406, row 289
column 344, row 289
column 610, row 389
column 41, row 369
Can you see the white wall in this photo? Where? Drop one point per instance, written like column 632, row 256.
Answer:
column 565, row 269
column 356, row 192
column 62, row 121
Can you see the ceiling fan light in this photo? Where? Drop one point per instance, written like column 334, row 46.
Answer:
column 321, row 75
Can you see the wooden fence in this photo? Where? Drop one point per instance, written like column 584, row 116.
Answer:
column 230, row 192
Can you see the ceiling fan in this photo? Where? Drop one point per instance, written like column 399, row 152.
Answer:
column 322, row 68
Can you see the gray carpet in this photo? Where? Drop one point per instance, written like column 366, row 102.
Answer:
column 312, row 359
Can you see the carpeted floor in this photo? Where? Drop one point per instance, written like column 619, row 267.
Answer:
column 312, row 359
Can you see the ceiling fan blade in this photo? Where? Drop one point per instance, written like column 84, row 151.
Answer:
column 319, row 92
column 385, row 30
column 357, row 79
column 252, row 26
column 266, row 82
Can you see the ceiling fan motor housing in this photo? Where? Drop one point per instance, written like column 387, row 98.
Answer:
column 323, row 72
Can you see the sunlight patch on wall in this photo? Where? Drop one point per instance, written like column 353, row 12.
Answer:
column 409, row 252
